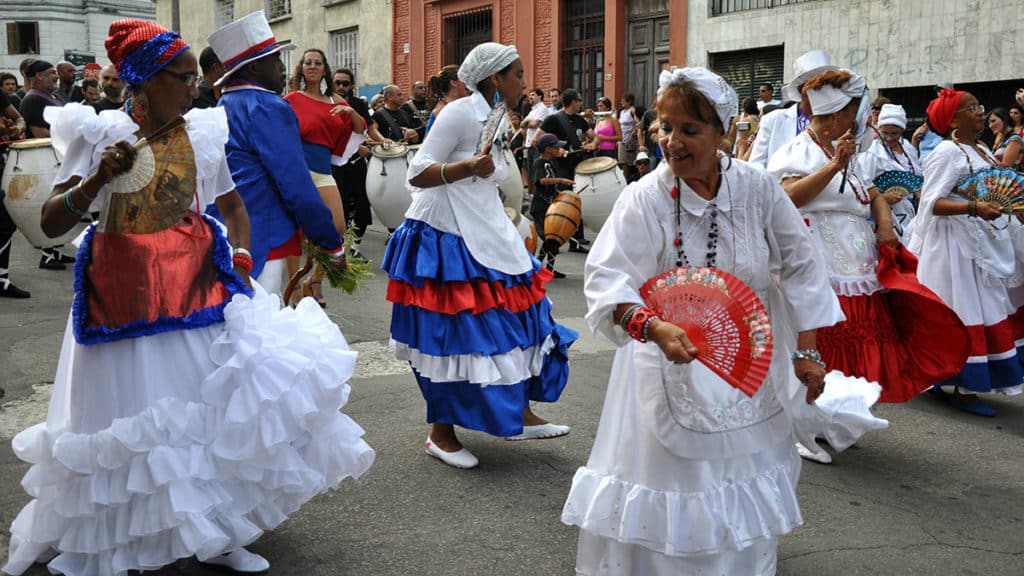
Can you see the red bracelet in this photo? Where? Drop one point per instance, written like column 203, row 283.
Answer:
column 637, row 327
column 243, row 261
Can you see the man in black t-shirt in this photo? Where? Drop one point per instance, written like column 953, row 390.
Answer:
column 549, row 181
column 113, row 90
column 43, row 78
column 393, row 120
column 568, row 125
column 13, row 128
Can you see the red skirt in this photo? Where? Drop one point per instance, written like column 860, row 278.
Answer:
column 904, row 338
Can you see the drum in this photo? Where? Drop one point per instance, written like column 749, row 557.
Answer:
column 385, row 183
column 413, row 149
column 512, row 186
column 31, row 167
column 562, row 218
column 525, row 228
column 599, row 181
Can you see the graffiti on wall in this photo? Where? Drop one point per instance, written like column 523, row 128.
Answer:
column 881, row 62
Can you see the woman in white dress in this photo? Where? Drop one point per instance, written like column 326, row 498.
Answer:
column 968, row 256
column 189, row 412
column 687, row 474
column 891, row 151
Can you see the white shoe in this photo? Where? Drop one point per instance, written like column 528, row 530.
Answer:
column 820, row 455
column 460, row 459
column 540, row 432
column 241, row 560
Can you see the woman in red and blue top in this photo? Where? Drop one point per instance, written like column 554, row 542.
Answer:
column 326, row 124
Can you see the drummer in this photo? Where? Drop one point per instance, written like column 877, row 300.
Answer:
column 549, row 180
column 13, row 128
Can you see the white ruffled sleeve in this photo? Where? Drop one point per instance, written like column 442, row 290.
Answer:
column 624, row 255
column 794, row 160
column 79, row 135
column 208, row 132
column 942, row 170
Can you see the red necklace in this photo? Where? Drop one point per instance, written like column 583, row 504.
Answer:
column 864, row 198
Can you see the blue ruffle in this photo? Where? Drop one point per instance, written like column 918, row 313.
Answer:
column 418, row 252
column 498, row 409
column 991, row 375
column 90, row 335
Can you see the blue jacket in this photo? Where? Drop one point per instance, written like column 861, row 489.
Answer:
column 264, row 153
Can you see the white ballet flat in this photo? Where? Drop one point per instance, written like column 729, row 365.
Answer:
column 820, row 455
column 540, row 432
column 460, row 459
column 241, row 560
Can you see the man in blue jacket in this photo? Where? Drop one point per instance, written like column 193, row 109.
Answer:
column 264, row 151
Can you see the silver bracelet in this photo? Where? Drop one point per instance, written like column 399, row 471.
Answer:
column 811, row 354
column 627, row 316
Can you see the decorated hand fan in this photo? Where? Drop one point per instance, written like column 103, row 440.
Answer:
column 158, row 190
column 491, row 125
column 723, row 318
column 907, row 183
column 1004, row 186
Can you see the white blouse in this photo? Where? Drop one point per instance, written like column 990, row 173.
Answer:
column 471, row 207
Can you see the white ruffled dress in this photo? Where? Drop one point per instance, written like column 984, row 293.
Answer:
column 185, row 442
column 687, row 474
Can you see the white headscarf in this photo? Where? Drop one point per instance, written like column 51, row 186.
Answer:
column 486, row 59
column 717, row 91
column 893, row 115
column 828, row 99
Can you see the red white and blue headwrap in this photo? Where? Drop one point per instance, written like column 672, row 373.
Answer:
column 247, row 39
column 139, row 49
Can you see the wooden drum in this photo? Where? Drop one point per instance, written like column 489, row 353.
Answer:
column 563, row 217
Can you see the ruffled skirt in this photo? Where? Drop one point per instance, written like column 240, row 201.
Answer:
column 186, row 443
column 481, row 343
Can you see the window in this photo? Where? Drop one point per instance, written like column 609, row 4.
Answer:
column 286, row 58
column 463, row 31
column 746, row 70
column 223, row 12
column 278, row 9
column 23, row 37
column 345, row 49
column 583, row 56
column 719, row 7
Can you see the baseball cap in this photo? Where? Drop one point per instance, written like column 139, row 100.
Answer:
column 642, row 156
column 548, row 140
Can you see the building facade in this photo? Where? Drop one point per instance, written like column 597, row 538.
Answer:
column 353, row 33
column 62, row 29
column 903, row 48
column 600, row 47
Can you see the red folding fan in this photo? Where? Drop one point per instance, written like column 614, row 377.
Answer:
column 722, row 316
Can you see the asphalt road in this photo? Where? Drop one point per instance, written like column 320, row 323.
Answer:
column 939, row 492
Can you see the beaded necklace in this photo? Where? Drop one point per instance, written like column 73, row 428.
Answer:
column 711, row 256
column 855, row 182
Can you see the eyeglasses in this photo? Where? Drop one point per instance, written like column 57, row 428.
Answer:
column 344, row 83
column 312, row 62
column 973, row 109
column 189, row 79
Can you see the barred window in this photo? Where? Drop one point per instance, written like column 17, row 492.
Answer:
column 345, row 49
column 278, row 9
column 286, row 57
column 719, row 7
column 223, row 12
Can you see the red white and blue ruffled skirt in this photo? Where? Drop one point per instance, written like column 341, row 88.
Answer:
column 481, row 343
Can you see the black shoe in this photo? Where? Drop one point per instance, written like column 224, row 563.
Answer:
column 12, row 291
column 51, row 262
column 558, row 275
column 65, row 259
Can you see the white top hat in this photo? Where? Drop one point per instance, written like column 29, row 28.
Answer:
column 242, row 41
column 804, row 68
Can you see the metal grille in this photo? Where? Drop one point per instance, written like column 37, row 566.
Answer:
column 745, row 70
column 278, row 9
column 719, row 7
column 641, row 8
column 463, row 31
column 583, row 55
column 223, row 12
column 286, row 57
column 345, row 49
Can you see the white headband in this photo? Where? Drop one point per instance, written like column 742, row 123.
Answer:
column 717, row 91
column 893, row 115
column 828, row 99
column 486, row 59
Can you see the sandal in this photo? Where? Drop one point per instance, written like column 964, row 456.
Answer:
column 311, row 288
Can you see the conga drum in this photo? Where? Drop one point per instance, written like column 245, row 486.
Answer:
column 512, row 186
column 562, row 218
column 31, row 166
column 385, row 183
column 525, row 228
column 599, row 181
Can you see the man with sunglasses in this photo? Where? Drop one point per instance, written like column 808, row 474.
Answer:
column 351, row 178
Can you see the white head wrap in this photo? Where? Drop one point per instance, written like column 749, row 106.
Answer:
column 829, row 99
column 893, row 115
column 717, row 91
column 486, row 59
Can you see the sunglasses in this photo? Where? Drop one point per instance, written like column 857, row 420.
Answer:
column 973, row 108
column 345, row 83
column 188, row 78
column 876, row 108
